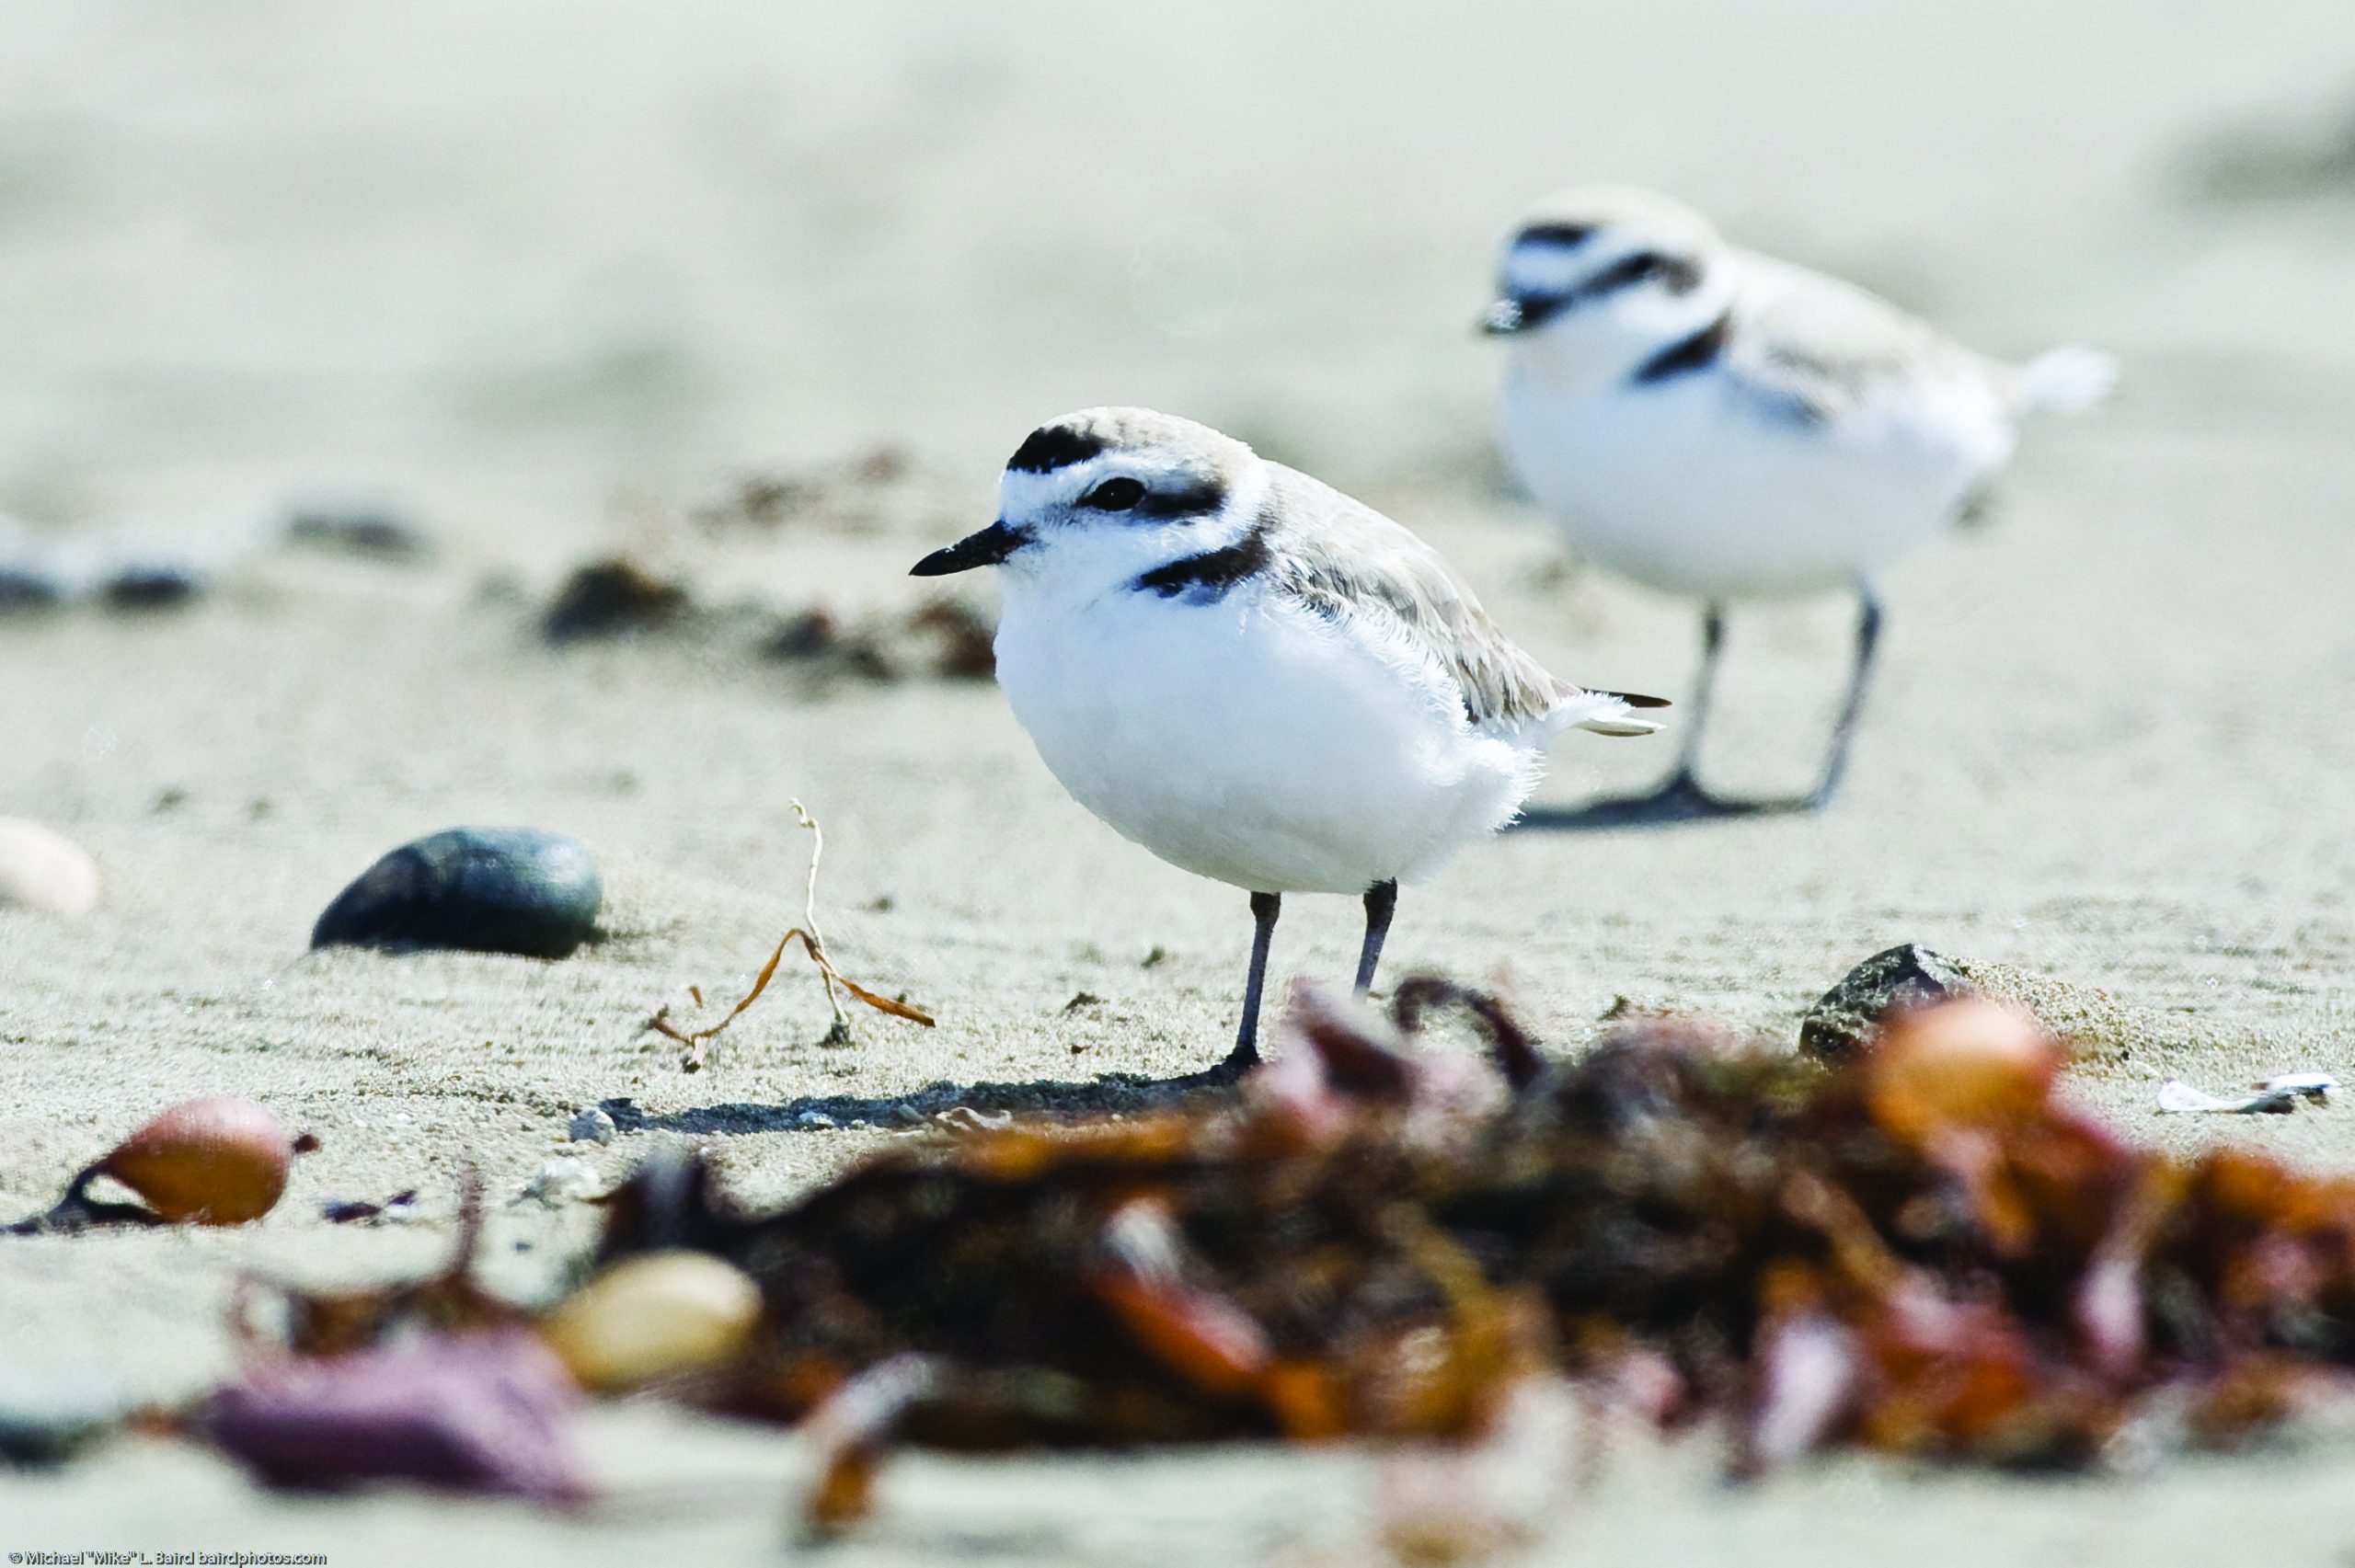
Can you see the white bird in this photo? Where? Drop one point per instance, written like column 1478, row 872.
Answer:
column 1252, row 675
column 1716, row 423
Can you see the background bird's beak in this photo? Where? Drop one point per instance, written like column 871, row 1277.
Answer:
column 1503, row 319
column 987, row 548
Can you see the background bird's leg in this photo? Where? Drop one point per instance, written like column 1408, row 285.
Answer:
column 1680, row 798
column 1845, row 732
column 1264, row 909
column 1380, row 903
column 1687, row 776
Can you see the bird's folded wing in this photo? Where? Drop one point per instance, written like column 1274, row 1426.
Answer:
column 1820, row 350
column 1349, row 563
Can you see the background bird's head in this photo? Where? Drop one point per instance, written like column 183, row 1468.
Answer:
column 1093, row 500
column 1597, row 278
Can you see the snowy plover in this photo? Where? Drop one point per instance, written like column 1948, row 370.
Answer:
column 1253, row 676
column 1716, row 423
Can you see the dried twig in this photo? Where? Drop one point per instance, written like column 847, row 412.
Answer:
column 839, row 1035
column 814, row 942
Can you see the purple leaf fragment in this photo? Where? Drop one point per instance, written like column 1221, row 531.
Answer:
column 486, row 1413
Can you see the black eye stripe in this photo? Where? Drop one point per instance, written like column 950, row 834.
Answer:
column 1678, row 275
column 1189, row 499
column 1179, row 498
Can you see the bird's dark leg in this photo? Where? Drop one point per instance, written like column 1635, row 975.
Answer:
column 1265, row 907
column 1844, row 734
column 1380, row 903
column 1686, row 780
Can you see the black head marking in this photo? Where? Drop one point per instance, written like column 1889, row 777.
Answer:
column 1050, row 447
column 1686, row 356
column 1564, row 236
column 1521, row 312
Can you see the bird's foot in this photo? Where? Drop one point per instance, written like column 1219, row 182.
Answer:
column 1226, row 1075
column 1681, row 799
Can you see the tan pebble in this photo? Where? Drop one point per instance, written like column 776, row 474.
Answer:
column 656, row 1316
column 42, row 870
column 206, row 1163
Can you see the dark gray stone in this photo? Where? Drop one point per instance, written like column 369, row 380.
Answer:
column 151, row 584
column 48, row 1419
column 608, row 598
column 485, row 889
column 367, row 531
column 25, row 589
column 1849, row 1016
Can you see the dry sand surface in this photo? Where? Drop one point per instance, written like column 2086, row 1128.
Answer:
column 547, row 277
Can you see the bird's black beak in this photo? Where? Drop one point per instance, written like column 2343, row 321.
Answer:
column 987, row 548
column 1504, row 318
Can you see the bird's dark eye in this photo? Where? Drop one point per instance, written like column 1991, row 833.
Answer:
column 1114, row 495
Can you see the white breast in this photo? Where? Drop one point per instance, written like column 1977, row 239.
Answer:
column 1249, row 741
column 1685, row 489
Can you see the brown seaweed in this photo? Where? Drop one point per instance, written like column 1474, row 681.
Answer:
column 1920, row 1252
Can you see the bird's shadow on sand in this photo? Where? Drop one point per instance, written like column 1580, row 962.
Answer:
column 1111, row 1095
column 1678, row 803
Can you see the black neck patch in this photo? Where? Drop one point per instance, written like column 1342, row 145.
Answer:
column 1687, row 356
column 1208, row 575
column 1050, row 447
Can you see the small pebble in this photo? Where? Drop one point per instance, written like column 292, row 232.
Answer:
column 563, row 1178
column 26, row 588
column 47, row 1418
column 482, row 889
column 358, row 531
column 591, row 1125
column 814, row 1119
column 606, row 598
column 654, row 1316
column 42, row 870
column 812, row 634
column 156, row 585
column 1851, row 1014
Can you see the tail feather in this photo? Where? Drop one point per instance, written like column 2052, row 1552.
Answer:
column 1610, row 712
column 2066, row 381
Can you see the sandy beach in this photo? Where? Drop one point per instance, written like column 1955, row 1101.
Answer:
column 548, row 282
